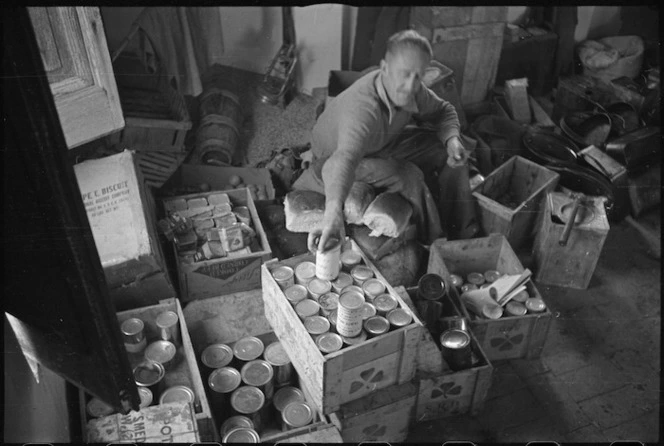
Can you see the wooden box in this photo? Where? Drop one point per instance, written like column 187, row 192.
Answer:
column 509, row 337
column 516, row 96
column 209, row 278
column 645, row 188
column 226, row 319
column 352, row 372
column 510, row 198
column 615, row 172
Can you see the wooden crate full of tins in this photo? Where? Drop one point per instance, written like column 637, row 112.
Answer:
column 352, row 372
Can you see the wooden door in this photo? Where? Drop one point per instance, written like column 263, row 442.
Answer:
column 73, row 49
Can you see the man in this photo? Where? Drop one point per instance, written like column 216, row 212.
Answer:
column 367, row 134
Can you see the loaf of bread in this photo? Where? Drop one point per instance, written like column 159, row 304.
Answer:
column 388, row 214
column 359, row 198
column 304, row 210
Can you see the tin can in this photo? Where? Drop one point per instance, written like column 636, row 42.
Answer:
column 475, row 278
column 317, row 325
column 535, row 304
column 372, row 288
column 492, row 311
column 328, row 263
column 259, row 373
column 97, row 408
column 332, row 317
column 456, row 280
column 515, row 308
column 430, row 311
column 169, row 328
column 281, row 364
column 453, row 323
column 247, row 349
column 145, row 395
column 216, row 356
column 349, row 314
column 149, row 374
column 134, row 335
column 317, row 287
column 376, row 326
column 285, row 396
column 357, row 289
column 329, row 342
column 368, row 310
column 521, row 296
column 177, row 393
column 296, row 294
column 399, row 318
column 222, row 383
column 242, row 213
column 162, row 352
column 342, row 281
column 307, row 308
column 384, row 304
column 486, row 285
column 284, row 276
column 350, row 259
column 249, row 401
column 242, row 435
column 491, row 275
column 304, row 272
column 350, row 341
column 431, row 287
column 296, row 414
column 234, row 422
column 455, row 346
column 328, row 302
column 360, row 273
column 468, row 287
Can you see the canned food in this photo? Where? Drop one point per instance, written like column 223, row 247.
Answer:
column 216, row 356
column 430, row 311
column 177, row 393
column 355, row 339
column 224, row 381
column 146, row 397
column 133, row 334
column 96, row 408
column 360, row 273
column 456, row 280
column 384, row 304
column 149, row 374
column 492, row 311
column 515, row 308
column 296, row 293
column 259, row 373
column 277, row 357
column 349, row 314
column 521, row 296
column 241, row 435
column 329, row 342
column 284, row 276
column 475, row 278
column 372, row 288
column 169, row 329
column 453, row 322
column 316, row 325
column 376, row 325
column 248, row 348
column 162, row 352
column 399, row 318
column 317, row 287
column 328, row 261
column 306, row 308
column 535, row 304
column 468, row 287
column 304, row 272
column 248, row 401
column 234, row 422
column 350, row 259
column 491, row 275
column 355, row 288
column 455, row 346
column 368, row 310
column 285, row 396
column 242, row 213
column 296, row 414
column 341, row 282
column 332, row 317
column 328, row 302
column 431, row 287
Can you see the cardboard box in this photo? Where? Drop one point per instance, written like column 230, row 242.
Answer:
column 509, row 337
column 352, row 372
column 122, row 215
column 210, row 278
column 524, row 183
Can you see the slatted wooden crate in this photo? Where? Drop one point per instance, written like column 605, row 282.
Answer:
column 158, row 167
column 508, row 337
column 352, row 372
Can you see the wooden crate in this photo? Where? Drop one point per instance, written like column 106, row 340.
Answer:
column 352, row 372
column 509, row 337
column 210, row 278
column 443, row 392
column 157, row 167
column 228, row 318
column 526, row 183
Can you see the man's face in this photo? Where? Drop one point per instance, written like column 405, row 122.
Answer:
column 402, row 74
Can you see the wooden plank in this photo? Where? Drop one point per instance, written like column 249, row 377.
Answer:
column 334, row 378
column 489, row 14
column 540, row 116
column 468, row 32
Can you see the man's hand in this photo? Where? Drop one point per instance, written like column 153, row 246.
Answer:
column 456, row 153
column 332, row 228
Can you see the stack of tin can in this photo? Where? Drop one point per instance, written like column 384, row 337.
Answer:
column 250, row 385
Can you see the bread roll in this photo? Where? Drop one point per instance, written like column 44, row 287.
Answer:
column 388, row 214
column 304, row 210
column 359, row 198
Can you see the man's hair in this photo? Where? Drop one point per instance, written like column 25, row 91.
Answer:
column 408, row 39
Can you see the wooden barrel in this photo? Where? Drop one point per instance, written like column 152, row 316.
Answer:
column 218, row 101
column 216, row 140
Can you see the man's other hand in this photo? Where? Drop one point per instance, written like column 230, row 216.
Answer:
column 456, row 153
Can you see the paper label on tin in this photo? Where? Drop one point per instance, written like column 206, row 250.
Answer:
column 328, row 263
column 349, row 318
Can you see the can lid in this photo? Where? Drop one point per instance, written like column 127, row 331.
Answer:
column 350, row 257
column 332, row 317
column 177, row 393
column 235, row 421
column 329, row 342
column 351, row 300
column 475, row 278
column 492, row 311
column 515, row 308
column 342, row 281
column 454, row 339
column 247, row 399
column 98, row 408
column 431, row 287
column 148, row 373
column 357, row 289
column 535, row 304
column 132, row 326
column 373, row 287
column 296, row 293
column 361, row 273
column 276, row 355
column 286, row 395
column 491, row 275
column 307, row 307
column 160, row 351
column 145, row 395
column 385, row 303
column 248, row 348
column 456, row 279
column 257, row 372
column 282, row 273
column 355, row 339
column 368, row 310
column 319, row 286
column 224, row 380
column 521, row 296
column 305, row 270
column 329, row 301
column 242, row 435
column 166, row 319
column 376, row 325
column 399, row 317
column 216, row 356
column 297, row 414
column 468, row 287
column 316, row 325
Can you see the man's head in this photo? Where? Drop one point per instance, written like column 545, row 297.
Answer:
column 407, row 56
